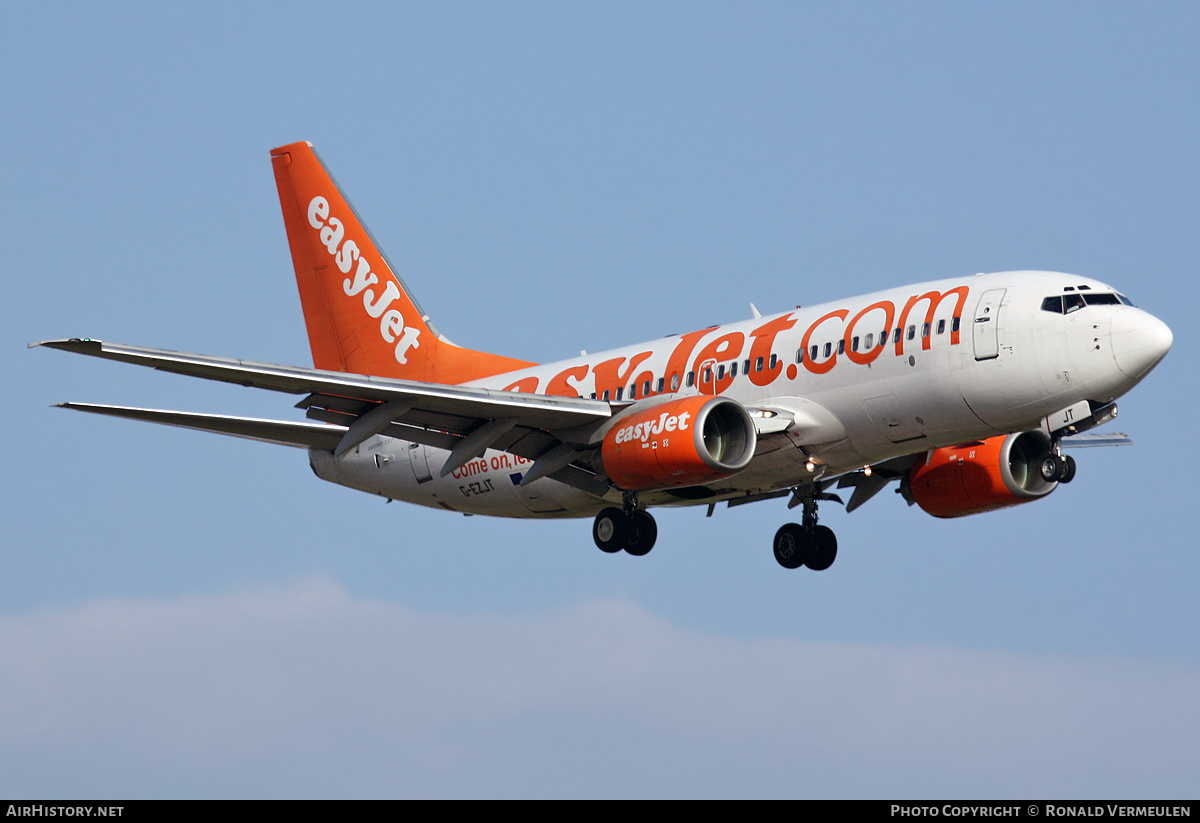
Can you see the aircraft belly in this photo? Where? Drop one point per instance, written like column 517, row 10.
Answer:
column 488, row 485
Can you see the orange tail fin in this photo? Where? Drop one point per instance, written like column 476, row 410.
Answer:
column 360, row 316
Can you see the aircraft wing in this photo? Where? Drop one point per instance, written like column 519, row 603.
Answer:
column 462, row 419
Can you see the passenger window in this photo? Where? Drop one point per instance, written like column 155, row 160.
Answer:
column 660, row 385
column 941, row 327
column 924, row 331
column 912, row 332
column 733, row 369
column 620, row 392
column 706, row 375
column 758, row 364
column 633, row 392
column 869, row 343
column 691, row 379
column 799, row 355
column 812, row 353
column 675, row 382
column 606, row 394
column 954, row 325
column 854, row 344
column 896, row 335
column 746, row 366
column 773, row 361
column 842, row 346
column 828, row 349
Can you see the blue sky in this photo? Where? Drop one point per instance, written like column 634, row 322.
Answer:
column 188, row 615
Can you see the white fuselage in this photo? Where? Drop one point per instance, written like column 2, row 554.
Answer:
column 963, row 359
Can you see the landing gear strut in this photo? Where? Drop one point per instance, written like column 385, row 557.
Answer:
column 808, row 545
column 628, row 528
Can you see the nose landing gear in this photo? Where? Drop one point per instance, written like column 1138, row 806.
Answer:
column 1057, row 468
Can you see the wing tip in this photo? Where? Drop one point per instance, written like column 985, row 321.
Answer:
column 76, row 344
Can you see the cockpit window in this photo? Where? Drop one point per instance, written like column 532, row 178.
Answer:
column 1067, row 303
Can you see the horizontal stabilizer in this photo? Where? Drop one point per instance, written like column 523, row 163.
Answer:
column 1082, row 441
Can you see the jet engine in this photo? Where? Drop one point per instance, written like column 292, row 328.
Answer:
column 981, row 475
column 679, row 443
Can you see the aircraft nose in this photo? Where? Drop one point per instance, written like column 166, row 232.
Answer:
column 1139, row 341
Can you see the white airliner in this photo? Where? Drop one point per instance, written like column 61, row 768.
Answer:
column 965, row 390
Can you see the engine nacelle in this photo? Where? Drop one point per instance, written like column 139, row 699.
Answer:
column 679, row 443
column 981, row 475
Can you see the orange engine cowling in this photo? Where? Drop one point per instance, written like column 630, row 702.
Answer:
column 679, row 443
column 981, row 475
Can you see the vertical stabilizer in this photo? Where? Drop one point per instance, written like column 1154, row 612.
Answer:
column 360, row 315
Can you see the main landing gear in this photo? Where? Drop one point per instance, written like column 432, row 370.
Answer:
column 628, row 528
column 635, row 531
column 807, row 545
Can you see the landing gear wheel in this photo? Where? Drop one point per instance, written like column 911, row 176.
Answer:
column 824, row 550
column 792, row 546
column 1051, row 467
column 642, row 535
column 1068, row 470
column 611, row 530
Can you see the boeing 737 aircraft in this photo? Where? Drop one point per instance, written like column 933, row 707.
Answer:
column 963, row 390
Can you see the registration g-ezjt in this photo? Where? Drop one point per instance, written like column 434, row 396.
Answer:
column 964, row 391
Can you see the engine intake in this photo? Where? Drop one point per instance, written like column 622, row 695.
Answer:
column 679, row 443
column 982, row 475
